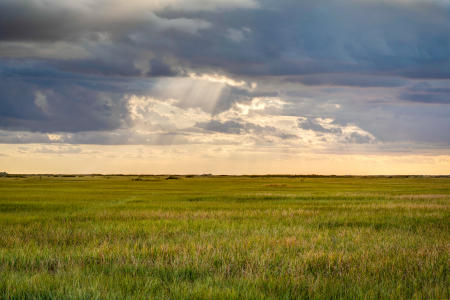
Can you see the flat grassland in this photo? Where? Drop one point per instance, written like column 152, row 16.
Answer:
column 224, row 237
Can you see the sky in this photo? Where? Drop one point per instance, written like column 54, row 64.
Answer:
column 225, row 86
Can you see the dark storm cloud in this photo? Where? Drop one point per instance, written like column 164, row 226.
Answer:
column 68, row 108
column 416, row 122
column 67, row 66
column 25, row 20
column 310, row 124
column 349, row 80
column 240, row 127
column 42, row 99
column 442, row 98
column 426, row 93
column 311, row 37
column 278, row 38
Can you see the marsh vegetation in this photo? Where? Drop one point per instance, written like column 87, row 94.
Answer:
column 212, row 237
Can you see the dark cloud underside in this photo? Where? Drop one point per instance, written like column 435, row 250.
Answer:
column 382, row 67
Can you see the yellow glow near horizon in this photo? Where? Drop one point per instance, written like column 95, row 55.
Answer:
column 198, row 159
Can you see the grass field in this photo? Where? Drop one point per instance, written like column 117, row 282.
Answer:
column 224, row 237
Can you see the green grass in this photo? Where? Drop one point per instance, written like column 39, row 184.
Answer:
column 224, row 237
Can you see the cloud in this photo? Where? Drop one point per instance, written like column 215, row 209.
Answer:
column 428, row 93
column 399, row 38
column 190, row 26
column 315, row 125
column 58, row 50
column 259, row 123
column 62, row 20
column 231, row 127
column 295, row 74
column 49, row 105
column 351, row 80
column 224, row 79
column 58, row 149
column 40, row 101
column 238, row 35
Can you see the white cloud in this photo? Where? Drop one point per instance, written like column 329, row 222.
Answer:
column 238, row 35
column 54, row 137
column 150, row 114
column 217, row 78
column 261, row 104
column 40, row 100
column 260, row 122
column 191, row 26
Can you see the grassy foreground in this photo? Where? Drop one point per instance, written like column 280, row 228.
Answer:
column 224, row 237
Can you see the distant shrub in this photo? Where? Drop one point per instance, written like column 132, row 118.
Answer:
column 172, row 177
